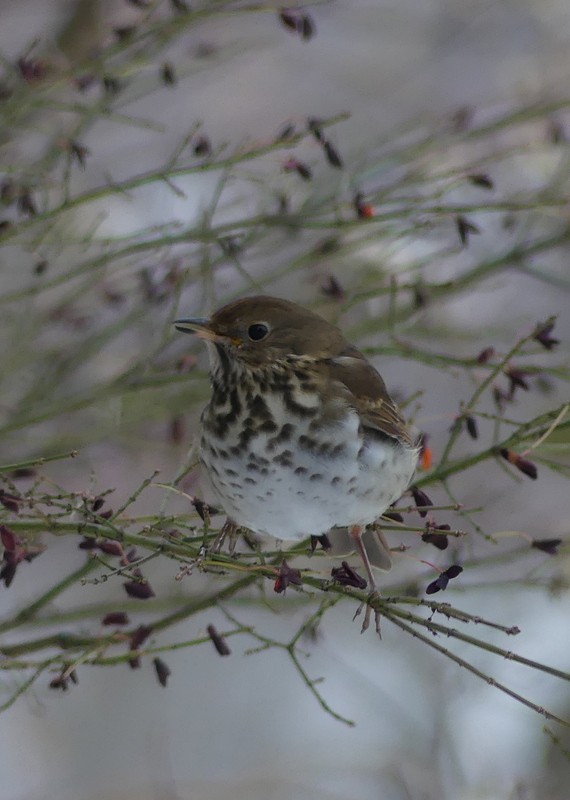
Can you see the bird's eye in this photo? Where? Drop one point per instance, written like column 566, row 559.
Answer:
column 258, row 331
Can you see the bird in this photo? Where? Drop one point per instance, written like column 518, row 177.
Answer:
column 300, row 436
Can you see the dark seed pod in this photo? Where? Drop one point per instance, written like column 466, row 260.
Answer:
column 481, row 180
column 438, row 540
column 115, row 618
column 10, row 501
column 202, row 146
column 471, row 425
column 168, row 74
column 549, row 546
column 421, row 500
column 542, row 335
column 110, row 547
column 314, row 126
column 286, row 576
column 485, row 355
column 218, row 641
column 347, row 576
column 465, row 228
column 289, row 19
column 323, row 540
column 139, row 636
column 139, row 590
column 453, row 571
column 439, row 585
column 162, row 671
column 332, row 155
column 307, row 28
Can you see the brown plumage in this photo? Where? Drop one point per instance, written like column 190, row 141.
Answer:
column 300, row 435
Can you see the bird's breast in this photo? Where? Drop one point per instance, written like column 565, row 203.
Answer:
column 287, row 462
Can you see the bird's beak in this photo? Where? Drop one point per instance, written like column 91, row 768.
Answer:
column 201, row 327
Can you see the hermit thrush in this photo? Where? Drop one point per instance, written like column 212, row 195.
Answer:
column 300, row 435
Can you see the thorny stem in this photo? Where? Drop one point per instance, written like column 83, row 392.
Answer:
column 470, row 668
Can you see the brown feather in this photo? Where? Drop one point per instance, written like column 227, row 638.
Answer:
column 368, row 394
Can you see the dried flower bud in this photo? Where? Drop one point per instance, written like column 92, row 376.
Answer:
column 522, row 464
column 485, row 355
column 332, row 155
column 202, row 146
column 439, row 585
column 556, row 133
column 58, row 682
column 139, row 590
column 465, row 228
column 7, row 573
column 517, row 379
column 315, row 127
column 500, row 398
column 363, row 209
column 110, row 547
column 289, row 19
column 98, row 503
column 323, row 540
column 111, row 85
column 286, row 576
column 549, row 546
column 462, row 118
column 285, row 133
column 481, row 180
column 176, row 429
column 22, row 472
column 124, row 32
column 26, row 204
column 139, row 636
column 218, row 641
column 471, row 425
column 438, row 540
column 294, row 165
column 542, row 334
column 10, row 501
column 307, row 28
column 88, row 543
column 347, row 576
column 9, row 539
column 453, row 571
column 332, row 288
column 79, row 152
column 421, row 500
column 115, row 618
column 162, row 671
column 168, row 74
column 420, row 294
column 31, row 69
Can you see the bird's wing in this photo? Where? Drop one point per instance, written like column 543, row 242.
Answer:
column 367, row 393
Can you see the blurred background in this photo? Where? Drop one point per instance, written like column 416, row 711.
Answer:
column 451, row 119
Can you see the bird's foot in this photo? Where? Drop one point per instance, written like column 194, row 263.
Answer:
column 372, row 597
column 229, row 531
